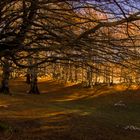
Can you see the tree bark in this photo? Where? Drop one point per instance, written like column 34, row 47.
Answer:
column 33, row 82
column 5, row 78
column 28, row 77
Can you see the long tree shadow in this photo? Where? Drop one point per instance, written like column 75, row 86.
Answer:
column 69, row 112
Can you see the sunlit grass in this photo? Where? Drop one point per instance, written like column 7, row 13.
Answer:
column 62, row 111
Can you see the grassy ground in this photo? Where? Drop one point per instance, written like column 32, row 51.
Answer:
column 68, row 113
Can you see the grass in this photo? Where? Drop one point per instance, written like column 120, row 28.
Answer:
column 4, row 127
column 68, row 112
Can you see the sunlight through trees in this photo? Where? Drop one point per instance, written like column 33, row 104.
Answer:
column 91, row 42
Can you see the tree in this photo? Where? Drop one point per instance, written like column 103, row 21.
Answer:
column 76, row 32
column 5, row 76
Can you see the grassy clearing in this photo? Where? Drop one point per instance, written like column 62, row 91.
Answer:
column 69, row 112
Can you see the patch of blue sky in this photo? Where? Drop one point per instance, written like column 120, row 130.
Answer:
column 113, row 6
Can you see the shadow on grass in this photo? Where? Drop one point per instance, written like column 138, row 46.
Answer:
column 70, row 126
column 69, row 112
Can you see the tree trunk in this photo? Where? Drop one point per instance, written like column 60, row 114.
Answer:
column 5, row 78
column 76, row 74
column 28, row 81
column 89, row 77
column 33, row 77
column 33, row 82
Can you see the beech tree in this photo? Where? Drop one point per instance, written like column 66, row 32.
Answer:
column 76, row 32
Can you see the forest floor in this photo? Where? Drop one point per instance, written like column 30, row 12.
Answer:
column 69, row 112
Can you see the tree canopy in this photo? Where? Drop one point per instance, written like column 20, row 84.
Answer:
column 55, row 30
